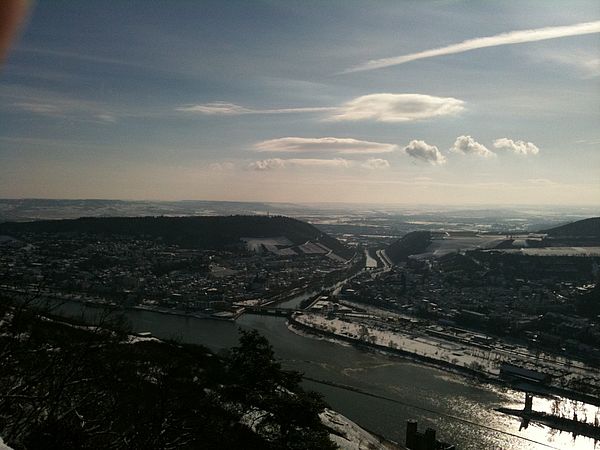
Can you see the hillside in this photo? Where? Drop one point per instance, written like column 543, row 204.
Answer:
column 586, row 228
column 209, row 232
column 65, row 385
column 410, row 244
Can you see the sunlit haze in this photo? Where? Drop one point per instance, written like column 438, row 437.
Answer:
column 442, row 102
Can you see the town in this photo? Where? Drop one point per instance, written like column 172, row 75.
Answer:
column 465, row 302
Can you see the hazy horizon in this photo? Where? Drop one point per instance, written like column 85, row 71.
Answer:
column 473, row 205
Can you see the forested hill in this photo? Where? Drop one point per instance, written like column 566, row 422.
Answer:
column 410, row 244
column 210, row 232
column 589, row 228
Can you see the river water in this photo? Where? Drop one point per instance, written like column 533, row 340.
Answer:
column 460, row 409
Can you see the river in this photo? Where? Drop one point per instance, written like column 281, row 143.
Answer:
column 460, row 409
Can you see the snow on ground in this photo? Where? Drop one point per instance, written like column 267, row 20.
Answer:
column 370, row 262
column 418, row 344
column 310, row 248
column 335, row 257
column 255, row 244
column 3, row 446
column 349, row 436
column 135, row 339
column 454, row 244
column 554, row 251
column 443, row 345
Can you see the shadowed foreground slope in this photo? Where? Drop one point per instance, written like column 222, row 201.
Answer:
column 70, row 386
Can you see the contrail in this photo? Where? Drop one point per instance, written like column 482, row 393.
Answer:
column 509, row 38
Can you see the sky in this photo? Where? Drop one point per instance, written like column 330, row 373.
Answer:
column 400, row 102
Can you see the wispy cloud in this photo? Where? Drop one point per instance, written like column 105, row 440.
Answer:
column 421, row 150
column 79, row 56
column 54, row 104
column 324, row 144
column 466, row 145
column 541, row 181
column 267, row 164
column 221, row 166
column 381, row 107
column 73, row 111
column 397, row 108
column 509, row 38
column 517, row 147
column 278, row 163
column 39, row 108
column 376, row 164
column 586, row 64
column 588, row 141
column 231, row 109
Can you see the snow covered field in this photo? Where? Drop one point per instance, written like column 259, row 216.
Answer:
column 453, row 244
column 397, row 339
column 554, row 251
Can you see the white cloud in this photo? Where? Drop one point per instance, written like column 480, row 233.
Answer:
column 540, row 181
column 382, row 107
column 39, row 108
column 48, row 103
column 466, row 145
column 397, row 107
column 376, row 164
column 107, row 118
column 216, row 109
column 509, row 38
column 337, row 162
column 231, row 109
column 278, row 163
column 66, row 110
column 222, row 166
column 267, row 164
column 425, row 152
column 517, row 147
column 324, row 144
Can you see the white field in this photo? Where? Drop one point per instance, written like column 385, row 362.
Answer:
column 454, row 244
column 370, row 263
column 554, row 251
column 254, row 244
column 422, row 345
column 463, row 353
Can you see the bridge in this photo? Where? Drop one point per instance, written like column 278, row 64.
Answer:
column 269, row 311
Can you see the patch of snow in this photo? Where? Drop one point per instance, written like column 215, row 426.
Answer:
column 136, row 339
column 347, row 435
column 3, row 446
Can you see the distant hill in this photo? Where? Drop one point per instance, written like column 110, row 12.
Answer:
column 410, row 244
column 210, row 232
column 586, row 228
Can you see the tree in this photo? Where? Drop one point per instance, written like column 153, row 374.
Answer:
column 64, row 385
column 288, row 416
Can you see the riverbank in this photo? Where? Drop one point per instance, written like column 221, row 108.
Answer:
column 295, row 320
column 456, row 405
column 387, row 350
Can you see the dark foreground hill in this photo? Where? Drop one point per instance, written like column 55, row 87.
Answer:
column 410, row 244
column 586, row 228
column 209, row 232
column 67, row 386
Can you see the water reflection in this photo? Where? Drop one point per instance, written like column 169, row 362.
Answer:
column 463, row 411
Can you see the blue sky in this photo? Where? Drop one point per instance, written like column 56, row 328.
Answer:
column 305, row 101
